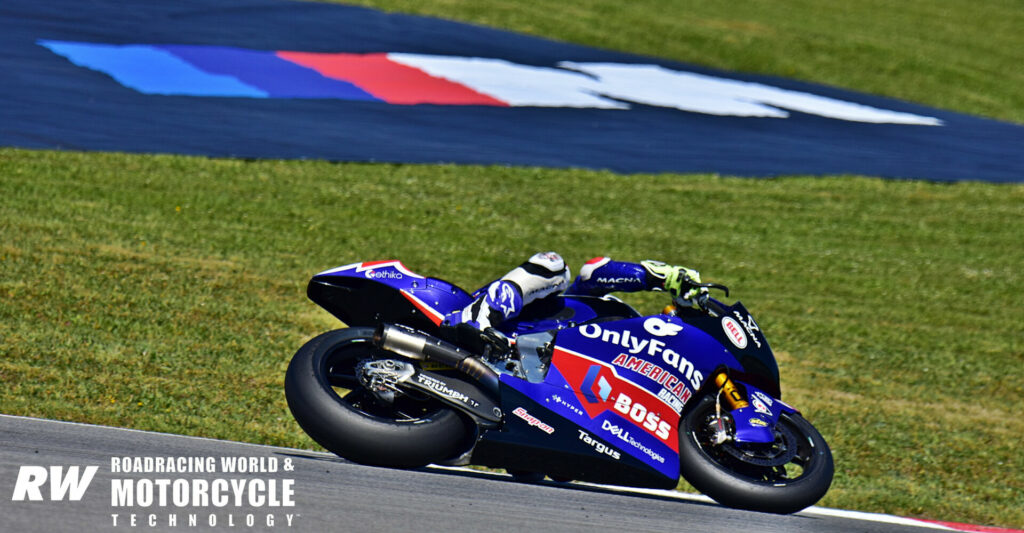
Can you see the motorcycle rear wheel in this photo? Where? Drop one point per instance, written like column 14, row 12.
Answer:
column 355, row 425
column 784, row 477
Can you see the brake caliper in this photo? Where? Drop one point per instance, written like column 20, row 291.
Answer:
column 382, row 377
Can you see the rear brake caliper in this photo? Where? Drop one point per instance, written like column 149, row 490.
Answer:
column 381, row 378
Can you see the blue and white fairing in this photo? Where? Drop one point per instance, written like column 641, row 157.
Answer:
column 368, row 293
column 620, row 378
column 626, row 382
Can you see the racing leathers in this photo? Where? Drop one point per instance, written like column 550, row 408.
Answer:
column 545, row 274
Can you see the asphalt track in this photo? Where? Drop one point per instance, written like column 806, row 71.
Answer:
column 331, row 494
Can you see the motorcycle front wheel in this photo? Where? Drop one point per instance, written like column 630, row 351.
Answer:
column 783, row 477
column 334, row 409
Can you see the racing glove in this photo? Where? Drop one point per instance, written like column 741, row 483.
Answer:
column 678, row 281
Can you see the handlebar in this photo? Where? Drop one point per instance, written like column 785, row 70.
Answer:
column 704, row 300
column 720, row 287
column 714, row 306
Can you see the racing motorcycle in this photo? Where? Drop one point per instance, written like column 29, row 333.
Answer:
column 576, row 388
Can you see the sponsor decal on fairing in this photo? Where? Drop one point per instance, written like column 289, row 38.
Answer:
column 640, row 414
column 623, row 434
column 603, row 392
column 649, row 348
column 603, row 388
column 670, row 398
column 750, row 326
column 558, row 399
column 598, row 446
column 661, row 328
column 376, row 270
column 734, row 332
column 760, row 406
column 383, row 274
column 672, row 384
column 764, row 398
column 532, row 420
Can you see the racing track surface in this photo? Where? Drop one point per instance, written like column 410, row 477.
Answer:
column 334, row 495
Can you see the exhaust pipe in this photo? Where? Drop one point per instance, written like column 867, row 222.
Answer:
column 412, row 344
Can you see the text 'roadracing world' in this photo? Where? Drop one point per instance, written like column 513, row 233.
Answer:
column 187, row 492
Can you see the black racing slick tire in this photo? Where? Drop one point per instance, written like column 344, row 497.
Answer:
column 355, row 425
column 784, row 477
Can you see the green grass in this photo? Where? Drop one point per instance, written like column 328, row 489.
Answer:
column 963, row 55
column 167, row 293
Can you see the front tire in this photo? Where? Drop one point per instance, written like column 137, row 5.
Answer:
column 355, row 425
column 784, row 477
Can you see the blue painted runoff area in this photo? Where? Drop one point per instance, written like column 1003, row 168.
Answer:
column 203, row 77
column 151, row 70
column 260, row 68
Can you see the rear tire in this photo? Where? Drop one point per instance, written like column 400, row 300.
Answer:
column 407, row 434
column 784, row 477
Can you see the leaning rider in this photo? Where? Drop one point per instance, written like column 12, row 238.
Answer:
column 545, row 274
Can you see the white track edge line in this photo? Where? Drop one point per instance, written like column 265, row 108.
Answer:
column 819, row 511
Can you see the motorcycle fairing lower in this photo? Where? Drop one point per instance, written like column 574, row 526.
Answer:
column 539, row 436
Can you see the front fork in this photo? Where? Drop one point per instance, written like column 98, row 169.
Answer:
column 733, row 398
column 754, row 413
